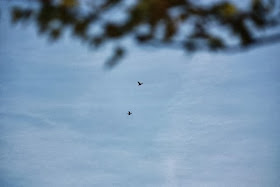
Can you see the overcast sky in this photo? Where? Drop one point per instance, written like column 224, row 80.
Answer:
column 198, row 120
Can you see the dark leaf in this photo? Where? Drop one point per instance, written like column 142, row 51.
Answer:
column 116, row 57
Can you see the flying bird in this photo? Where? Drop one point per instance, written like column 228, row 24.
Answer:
column 140, row 83
column 129, row 113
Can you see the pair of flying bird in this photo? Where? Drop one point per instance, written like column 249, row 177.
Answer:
column 139, row 84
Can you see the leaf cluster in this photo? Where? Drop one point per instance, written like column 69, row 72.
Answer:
column 185, row 24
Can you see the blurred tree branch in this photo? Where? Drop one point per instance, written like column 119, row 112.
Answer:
column 184, row 24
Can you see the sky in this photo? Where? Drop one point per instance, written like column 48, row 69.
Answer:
column 198, row 120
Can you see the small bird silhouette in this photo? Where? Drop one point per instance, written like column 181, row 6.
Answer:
column 140, row 83
column 129, row 113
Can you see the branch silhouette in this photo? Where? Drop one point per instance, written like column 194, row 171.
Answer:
column 181, row 24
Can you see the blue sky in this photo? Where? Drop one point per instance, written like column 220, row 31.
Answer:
column 198, row 120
